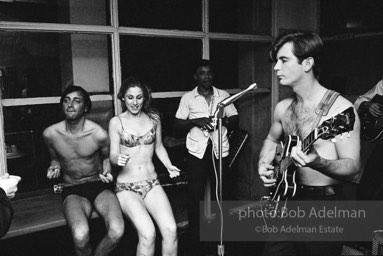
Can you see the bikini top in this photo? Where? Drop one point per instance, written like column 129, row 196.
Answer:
column 130, row 140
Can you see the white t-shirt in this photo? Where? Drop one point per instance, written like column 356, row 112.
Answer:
column 193, row 105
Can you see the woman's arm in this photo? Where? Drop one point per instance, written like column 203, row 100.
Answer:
column 162, row 154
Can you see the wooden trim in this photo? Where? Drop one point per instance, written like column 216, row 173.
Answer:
column 274, row 81
column 160, row 32
column 241, row 37
column 46, row 100
column 52, row 27
column 96, row 29
column 104, row 97
column 116, row 60
column 3, row 154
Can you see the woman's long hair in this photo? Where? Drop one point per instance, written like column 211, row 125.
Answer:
column 147, row 105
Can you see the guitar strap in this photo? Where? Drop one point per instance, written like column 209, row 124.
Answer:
column 325, row 104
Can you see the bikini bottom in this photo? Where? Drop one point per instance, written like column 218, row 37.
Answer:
column 141, row 188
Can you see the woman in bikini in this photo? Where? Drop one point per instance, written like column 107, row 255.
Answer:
column 135, row 135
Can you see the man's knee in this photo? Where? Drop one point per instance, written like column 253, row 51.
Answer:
column 116, row 230
column 80, row 235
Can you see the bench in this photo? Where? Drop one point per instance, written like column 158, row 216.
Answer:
column 37, row 213
column 44, row 211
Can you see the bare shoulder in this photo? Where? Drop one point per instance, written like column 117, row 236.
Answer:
column 115, row 122
column 52, row 130
column 340, row 105
column 97, row 131
column 281, row 107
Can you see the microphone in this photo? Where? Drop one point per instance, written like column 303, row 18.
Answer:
column 234, row 97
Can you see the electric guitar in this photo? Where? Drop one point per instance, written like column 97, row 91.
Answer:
column 371, row 127
column 286, row 186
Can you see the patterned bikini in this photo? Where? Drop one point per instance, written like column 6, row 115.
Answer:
column 141, row 188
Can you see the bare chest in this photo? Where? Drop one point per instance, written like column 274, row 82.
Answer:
column 69, row 147
column 299, row 120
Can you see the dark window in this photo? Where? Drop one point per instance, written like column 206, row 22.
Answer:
column 166, row 64
column 63, row 11
column 161, row 14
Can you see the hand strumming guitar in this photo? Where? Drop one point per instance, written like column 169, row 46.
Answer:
column 375, row 108
column 266, row 173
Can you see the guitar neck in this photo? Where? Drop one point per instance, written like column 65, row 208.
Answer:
column 306, row 144
column 309, row 140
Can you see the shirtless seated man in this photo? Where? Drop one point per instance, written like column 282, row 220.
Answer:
column 79, row 150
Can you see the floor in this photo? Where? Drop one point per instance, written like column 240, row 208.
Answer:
column 58, row 241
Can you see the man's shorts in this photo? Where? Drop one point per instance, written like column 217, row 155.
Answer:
column 89, row 190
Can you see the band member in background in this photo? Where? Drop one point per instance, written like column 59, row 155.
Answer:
column 79, row 150
column 370, row 109
column 322, row 170
column 194, row 116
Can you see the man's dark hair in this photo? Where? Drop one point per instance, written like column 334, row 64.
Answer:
column 305, row 45
column 79, row 89
column 203, row 63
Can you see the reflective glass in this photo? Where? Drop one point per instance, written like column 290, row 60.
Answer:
column 60, row 11
column 36, row 64
column 166, row 64
column 350, row 16
column 161, row 14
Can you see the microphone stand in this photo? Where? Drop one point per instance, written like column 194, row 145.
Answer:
column 218, row 115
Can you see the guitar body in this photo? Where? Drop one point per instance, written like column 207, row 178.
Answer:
column 285, row 186
column 371, row 127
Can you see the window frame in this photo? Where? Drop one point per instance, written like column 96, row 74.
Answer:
column 115, row 31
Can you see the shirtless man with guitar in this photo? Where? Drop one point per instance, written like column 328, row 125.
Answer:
column 320, row 166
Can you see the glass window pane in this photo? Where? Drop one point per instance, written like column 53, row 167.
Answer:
column 173, row 140
column 350, row 16
column 63, row 11
column 161, row 14
column 166, row 64
column 27, row 155
column 244, row 17
column 239, row 64
column 42, row 64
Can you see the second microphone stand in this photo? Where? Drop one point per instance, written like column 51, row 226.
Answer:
column 218, row 115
